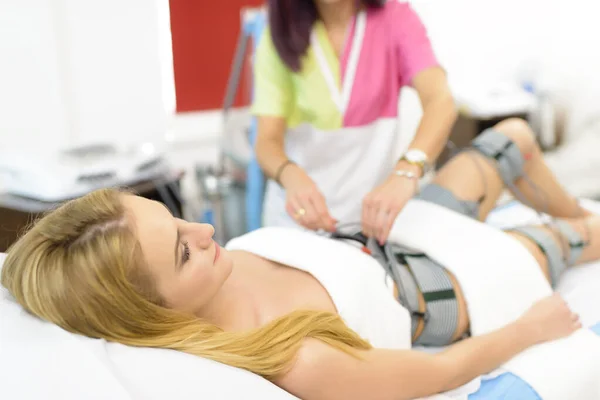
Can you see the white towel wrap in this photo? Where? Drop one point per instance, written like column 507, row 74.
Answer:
column 499, row 277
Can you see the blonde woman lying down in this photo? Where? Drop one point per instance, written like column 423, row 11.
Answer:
column 115, row 266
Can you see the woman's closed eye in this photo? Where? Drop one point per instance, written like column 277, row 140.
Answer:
column 185, row 255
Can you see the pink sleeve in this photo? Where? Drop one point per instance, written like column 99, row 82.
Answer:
column 413, row 47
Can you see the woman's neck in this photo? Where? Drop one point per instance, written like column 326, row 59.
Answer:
column 337, row 15
column 235, row 306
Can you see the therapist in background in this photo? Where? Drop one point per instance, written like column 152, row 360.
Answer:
column 328, row 74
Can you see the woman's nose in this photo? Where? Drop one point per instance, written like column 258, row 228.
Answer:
column 208, row 229
column 203, row 234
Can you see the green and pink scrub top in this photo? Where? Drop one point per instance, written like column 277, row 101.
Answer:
column 342, row 114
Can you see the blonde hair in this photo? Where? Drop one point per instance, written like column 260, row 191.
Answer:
column 81, row 268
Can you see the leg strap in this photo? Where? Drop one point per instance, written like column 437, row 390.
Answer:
column 444, row 197
column 552, row 249
column 576, row 242
column 549, row 246
column 499, row 147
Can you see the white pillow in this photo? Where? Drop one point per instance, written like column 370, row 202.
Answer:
column 38, row 360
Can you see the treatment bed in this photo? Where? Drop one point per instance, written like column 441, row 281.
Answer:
column 40, row 360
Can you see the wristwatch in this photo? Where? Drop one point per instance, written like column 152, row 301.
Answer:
column 417, row 157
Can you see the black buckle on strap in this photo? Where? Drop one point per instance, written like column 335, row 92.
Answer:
column 357, row 237
column 421, row 315
column 503, row 150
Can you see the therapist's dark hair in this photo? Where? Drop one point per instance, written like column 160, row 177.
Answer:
column 291, row 21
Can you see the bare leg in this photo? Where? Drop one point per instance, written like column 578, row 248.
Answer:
column 542, row 191
column 472, row 176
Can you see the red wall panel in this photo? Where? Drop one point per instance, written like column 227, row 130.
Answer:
column 204, row 37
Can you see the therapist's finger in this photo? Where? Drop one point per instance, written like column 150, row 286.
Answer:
column 371, row 210
column 310, row 218
column 380, row 220
column 295, row 210
column 386, row 223
column 326, row 221
column 367, row 223
column 363, row 217
column 305, row 212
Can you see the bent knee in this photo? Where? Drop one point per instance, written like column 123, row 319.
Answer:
column 519, row 131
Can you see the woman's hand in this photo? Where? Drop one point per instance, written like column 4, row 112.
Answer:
column 382, row 205
column 550, row 319
column 304, row 201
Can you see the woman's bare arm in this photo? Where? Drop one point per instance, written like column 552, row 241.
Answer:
column 270, row 152
column 322, row 372
column 302, row 192
column 439, row 113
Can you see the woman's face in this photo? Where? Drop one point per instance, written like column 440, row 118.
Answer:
column 188, row 266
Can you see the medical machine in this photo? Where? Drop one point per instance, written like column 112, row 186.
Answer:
column 72, row 172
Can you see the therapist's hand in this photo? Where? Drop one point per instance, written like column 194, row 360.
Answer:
column 382, row 205
column 304, row 201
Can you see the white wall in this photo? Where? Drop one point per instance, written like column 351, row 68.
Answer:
column 32, row 103
column 79, row 71
column 114, row 68
column 83, row 70
column 552, row 43
column 485, row 40
column 166, row 56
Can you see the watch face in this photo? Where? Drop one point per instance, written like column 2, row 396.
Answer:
column 419, row 157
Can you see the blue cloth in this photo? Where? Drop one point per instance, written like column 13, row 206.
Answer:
column 506, row 386
column 509, row 386
column 596, row 329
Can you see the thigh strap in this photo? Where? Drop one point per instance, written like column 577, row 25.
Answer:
column 551, row 246
column 548, row 244
column 504, row 151
column 576, row 242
